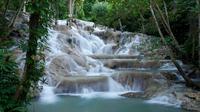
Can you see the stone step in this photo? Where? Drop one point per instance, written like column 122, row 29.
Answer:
column 135, row 63
column 102, row 56
column 76, row 84
column 80, row 84
column 140, row 80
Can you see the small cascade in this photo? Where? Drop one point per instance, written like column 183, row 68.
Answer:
column 165, row 100
column 106, row 49
column 47, row 95
column 114, row 86
column 126, row 48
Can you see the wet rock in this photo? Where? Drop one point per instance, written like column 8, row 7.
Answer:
column 170, row 75
column 99, row 33
column 190, row 100
column 192, row 95
column 195, row 74
column 62, row 28
column 89, row 28
column 187, row 98
column 134, row 95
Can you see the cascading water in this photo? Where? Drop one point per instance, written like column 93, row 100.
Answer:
column 72, row 68
column 67, row 60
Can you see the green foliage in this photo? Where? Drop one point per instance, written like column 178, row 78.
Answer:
column 4, row 30
column 13, row 4
column 8, row 83
column 100, row 11
column 59, row 8
column 87, row 7
column 7, row 43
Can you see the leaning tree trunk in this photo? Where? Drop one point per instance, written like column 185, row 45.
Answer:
column 189, row 82
column 30, row 65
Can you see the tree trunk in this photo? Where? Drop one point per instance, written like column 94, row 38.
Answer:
column 30, row 65
column 189, row 82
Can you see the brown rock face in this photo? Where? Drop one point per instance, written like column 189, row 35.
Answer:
column 169, row 76
column 134, row 63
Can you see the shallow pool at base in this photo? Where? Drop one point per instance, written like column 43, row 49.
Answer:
column 78, row 104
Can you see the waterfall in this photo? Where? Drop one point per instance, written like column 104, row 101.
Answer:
column 67, row 62
column 73, row 69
